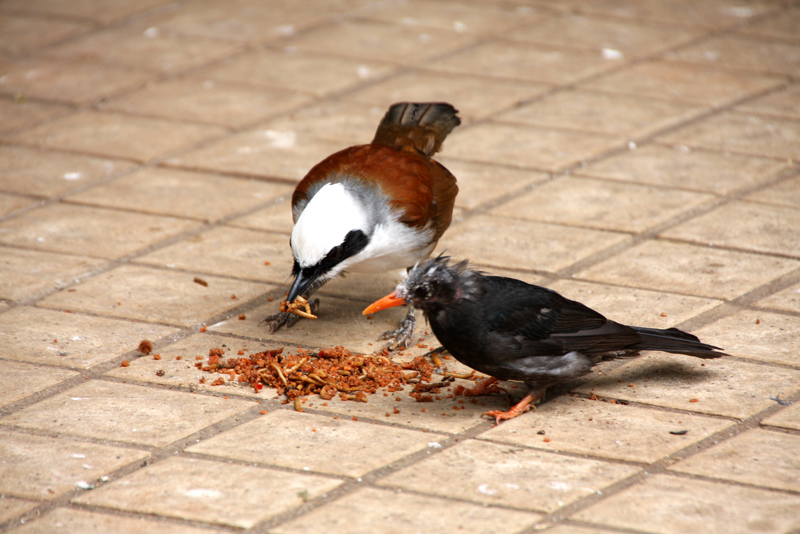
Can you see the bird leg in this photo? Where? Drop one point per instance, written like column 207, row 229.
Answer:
column 402, row 336
column 485, row 387
column 289, row 317
column 533, row 398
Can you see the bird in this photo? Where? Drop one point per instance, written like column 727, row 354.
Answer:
column 512, row 330
column 374, row 207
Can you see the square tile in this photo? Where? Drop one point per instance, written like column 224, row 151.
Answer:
column 731, row 51
column 513, row 243
column 370, row 510
column 75, row 521
column 746, row 134
column 103, row 11
column 243, row 496
column 17, row 115
column 377, row 41
column 94, row 232
column 702, row 271
column 777, row 103
column 12, row 203
column 782, row 25
column 19, row 380
column 726, row 387
column 769, row 337
column 784, row 193
column 116, row 135
column 526, row 146
column 709, row 14
column 28, row 272
column 475, row 97
column 317, row 443
column 26, row 171
column 682, row 168
column 11, row 507
column 601, row 204
column 525, row 61
column 575, row 30
column 788, row 417
column 66, row 81
column 20, row 34
column 694, row 506
column 602, row 429
column 640, row 307
column 155, row 295
column 177, row 361
column 276, row 217
column 686, row 82
column 757, row 457
column 126, row 413
column 37, row 467
column 216, row 102
column 299, row 71
column 491, row 473
column 161, row 191
column 609, row 113
column 226, row 251
column 71, row 340
column 787, row 299
column 744, row 225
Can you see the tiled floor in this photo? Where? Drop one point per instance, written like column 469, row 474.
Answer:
column 638, row 155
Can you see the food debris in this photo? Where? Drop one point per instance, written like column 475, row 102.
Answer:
column 300, row 307
column 678, row 432
column 146, row 347
column 125, row 363
column 694, row 400
column 200, row 281
column 779, row 400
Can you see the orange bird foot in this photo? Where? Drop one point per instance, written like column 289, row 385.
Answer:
column 518, row 409
column 485, row 387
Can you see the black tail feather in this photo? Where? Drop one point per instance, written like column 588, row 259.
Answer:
column 676, row 341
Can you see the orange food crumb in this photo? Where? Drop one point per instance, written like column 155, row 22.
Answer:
column 125, row 363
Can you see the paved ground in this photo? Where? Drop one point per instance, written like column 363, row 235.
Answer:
column 640, row 156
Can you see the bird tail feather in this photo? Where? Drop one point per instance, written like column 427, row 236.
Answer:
column 421, row 126
column 676, row 341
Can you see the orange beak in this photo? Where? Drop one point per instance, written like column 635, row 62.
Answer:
column 389, row 301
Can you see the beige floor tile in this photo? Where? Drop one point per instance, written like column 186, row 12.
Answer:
column 310, row 73
column 601, row 204
column 480, row 183
column 739, row 52
column 727, row 387
column 178, row 363
column 490, row 473
column 513, row 243
column 73, row 521
column 126, row 413
column 605, row 430
column 784, row 193
column 371, row 510
column 20, row 33
column 317, row 443
column 745, row 225
column 19, row 380
column 573, row 529
column 11, row 507
column 757, row 457
column 227, row 251
column 184, row 194
column 104, row 11
column 216, row 102
column 779, row 104
column 143, row 47
column 687, row 82
column 62, row 81
column 377, row 41
column 44, row 468
column 736, row 132
column 94, row 232
column 263, row 152
column 116, row 135
column 671, row 505
column 17, row 115
column 182, row 488
column 475, row 97
column 29, row 172
column 633, row 39
column 684, row 168
column 702, row 271
column 604, row 113
column 783, row 25
column 638, row 307
column 764, row 336
column 525, row 61
column 42, row 336
column 277, row 217
column 712, row 13
column 787, row 299
column 146, row 294
column 526, row 146
column 788, row 417
column 11, row 203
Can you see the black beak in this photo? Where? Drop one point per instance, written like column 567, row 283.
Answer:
column 303, row 279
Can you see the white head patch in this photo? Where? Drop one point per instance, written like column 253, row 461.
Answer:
column 324, row 223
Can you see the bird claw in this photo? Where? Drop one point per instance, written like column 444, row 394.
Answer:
column 401, row 337
column 510, row 414
column 290, row 318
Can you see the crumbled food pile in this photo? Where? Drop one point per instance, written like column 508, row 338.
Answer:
column 328, row 372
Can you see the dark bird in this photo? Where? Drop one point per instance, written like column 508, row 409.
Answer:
column 511, row 330
column 375, row 207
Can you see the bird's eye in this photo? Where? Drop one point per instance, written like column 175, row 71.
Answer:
column 333, row 255
column 421, row 292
